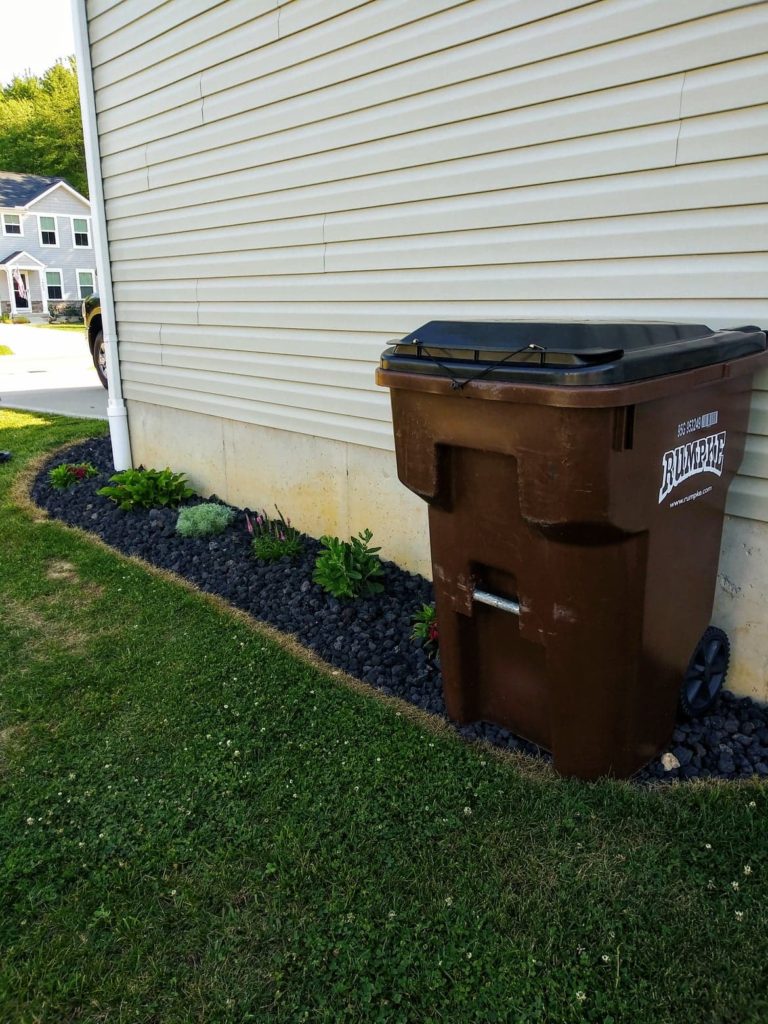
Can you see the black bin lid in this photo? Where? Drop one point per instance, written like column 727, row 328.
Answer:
column 563, row 353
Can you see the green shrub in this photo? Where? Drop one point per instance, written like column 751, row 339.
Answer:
column 205, row 520
column 425, row 629
column 348, row 568
column 274, row 538
column 147, row 488
column 71, row 473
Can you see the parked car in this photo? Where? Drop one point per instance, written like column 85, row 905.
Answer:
column 95, row 335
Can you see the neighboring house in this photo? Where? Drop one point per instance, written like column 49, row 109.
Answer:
column 46, row 244
column 290, row 185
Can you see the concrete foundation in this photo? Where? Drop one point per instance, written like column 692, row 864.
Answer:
column 741, row 604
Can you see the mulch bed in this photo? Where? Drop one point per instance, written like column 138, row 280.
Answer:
column 368, row 638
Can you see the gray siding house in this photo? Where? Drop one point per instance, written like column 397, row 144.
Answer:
column 46, row 244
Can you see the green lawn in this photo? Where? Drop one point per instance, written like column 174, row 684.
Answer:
column 196, row 826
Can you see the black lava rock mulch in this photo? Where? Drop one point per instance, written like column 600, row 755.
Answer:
column 368, row 638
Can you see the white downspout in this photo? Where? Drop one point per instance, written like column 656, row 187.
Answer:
column 117, row 414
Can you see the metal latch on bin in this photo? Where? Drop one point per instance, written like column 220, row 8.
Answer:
column 504, row 604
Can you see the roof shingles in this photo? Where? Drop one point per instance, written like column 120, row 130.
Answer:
column 20, row 189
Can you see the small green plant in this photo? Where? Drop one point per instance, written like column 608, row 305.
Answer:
column 273, row 538
column 348, row 568
column 71, row 473
column 146, row 488
column 204, row 520
column 425, row 629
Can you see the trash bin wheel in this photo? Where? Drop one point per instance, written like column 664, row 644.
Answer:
column 706, row 673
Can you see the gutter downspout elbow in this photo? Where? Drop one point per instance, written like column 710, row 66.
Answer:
column 117, row 413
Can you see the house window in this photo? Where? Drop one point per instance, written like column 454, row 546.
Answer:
column 81, row 232
column 48, row 231
column 53, row 284
column 11, row 224
column 85, row 285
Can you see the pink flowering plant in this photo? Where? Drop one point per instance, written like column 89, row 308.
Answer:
column 425, row 629
column 70, row 473
column 273, row 538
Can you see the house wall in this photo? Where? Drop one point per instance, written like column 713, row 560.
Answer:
column 62, row 205
column 290, row 186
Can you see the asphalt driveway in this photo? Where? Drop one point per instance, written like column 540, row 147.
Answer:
column 50, row 371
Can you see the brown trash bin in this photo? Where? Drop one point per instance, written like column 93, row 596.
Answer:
column 576, row 477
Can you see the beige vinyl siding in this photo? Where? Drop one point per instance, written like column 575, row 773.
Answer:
column 291, row 185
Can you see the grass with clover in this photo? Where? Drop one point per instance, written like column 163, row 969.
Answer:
column 198, row 827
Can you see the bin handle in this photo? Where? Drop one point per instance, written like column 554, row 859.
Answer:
column 504, row 604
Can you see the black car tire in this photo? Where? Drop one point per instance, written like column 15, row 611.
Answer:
column 99, row 353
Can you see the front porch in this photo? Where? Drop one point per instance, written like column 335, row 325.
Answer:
column 23, row 289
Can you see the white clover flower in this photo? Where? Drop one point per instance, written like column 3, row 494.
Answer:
column 469, row 956
column 449, row 901
column 735, row 886
column 391, row 915
column 707, row 846
column 606, row 959
column 581, row 996
column 747, row 869
column 739, row 915
column 751, row 804
column 30, row 821
column 173, row 892
column 467, row 811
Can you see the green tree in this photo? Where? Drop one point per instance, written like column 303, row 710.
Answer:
column 41, row 131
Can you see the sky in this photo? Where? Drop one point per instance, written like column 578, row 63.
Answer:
column 35, row 34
